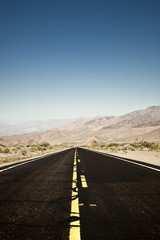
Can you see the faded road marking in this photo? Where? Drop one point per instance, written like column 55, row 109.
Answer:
column 92, row 205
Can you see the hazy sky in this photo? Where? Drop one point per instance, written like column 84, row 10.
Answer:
column 67, row 59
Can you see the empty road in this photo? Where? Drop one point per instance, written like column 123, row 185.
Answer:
column 79, row 194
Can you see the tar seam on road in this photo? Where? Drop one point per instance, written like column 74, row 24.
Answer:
column 83, row 181
column 75, row 213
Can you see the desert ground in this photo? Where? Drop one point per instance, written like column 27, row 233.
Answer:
column 141, row 151
column 135, row 135
column 17, row 154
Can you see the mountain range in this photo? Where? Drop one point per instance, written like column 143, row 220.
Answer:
column 140, row 124
column 31, row 126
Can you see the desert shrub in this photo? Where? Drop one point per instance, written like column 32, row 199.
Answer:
column 102, row 146
column 124, row 148
column 154, row 146
column 45, row 144
column 18, row 147
column 141, row 145
column 131, row 148
column 6, row 150
column 145, row 145
column 1, row 149
column 39, row 148
column 135, row 144
column 23, row 152
column 33, row 149
column 49, row 147
column 113, row 145
column 113, row 148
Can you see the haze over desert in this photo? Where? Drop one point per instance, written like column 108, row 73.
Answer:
column 140, row 124
column 137, row 126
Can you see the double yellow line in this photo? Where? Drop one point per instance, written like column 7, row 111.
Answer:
column 75, row 213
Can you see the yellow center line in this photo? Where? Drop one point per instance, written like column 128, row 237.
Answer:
column 75, row 225
column 84, row 182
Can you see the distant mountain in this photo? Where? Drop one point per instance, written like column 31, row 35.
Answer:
column 140, row 118
column 141, row 125
column 31, row 126
column 93, row 124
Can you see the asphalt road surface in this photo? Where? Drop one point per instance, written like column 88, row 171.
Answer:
column 79, row 194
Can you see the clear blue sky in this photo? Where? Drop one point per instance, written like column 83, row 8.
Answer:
column 67, row 59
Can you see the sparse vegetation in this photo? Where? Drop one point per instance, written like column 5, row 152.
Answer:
column 45, row 144
column 23, row 152
column 6, row 150
column 136, row 145
column 17, row 152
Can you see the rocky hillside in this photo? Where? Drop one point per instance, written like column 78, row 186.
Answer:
column 140, row 118
column 141, row 125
